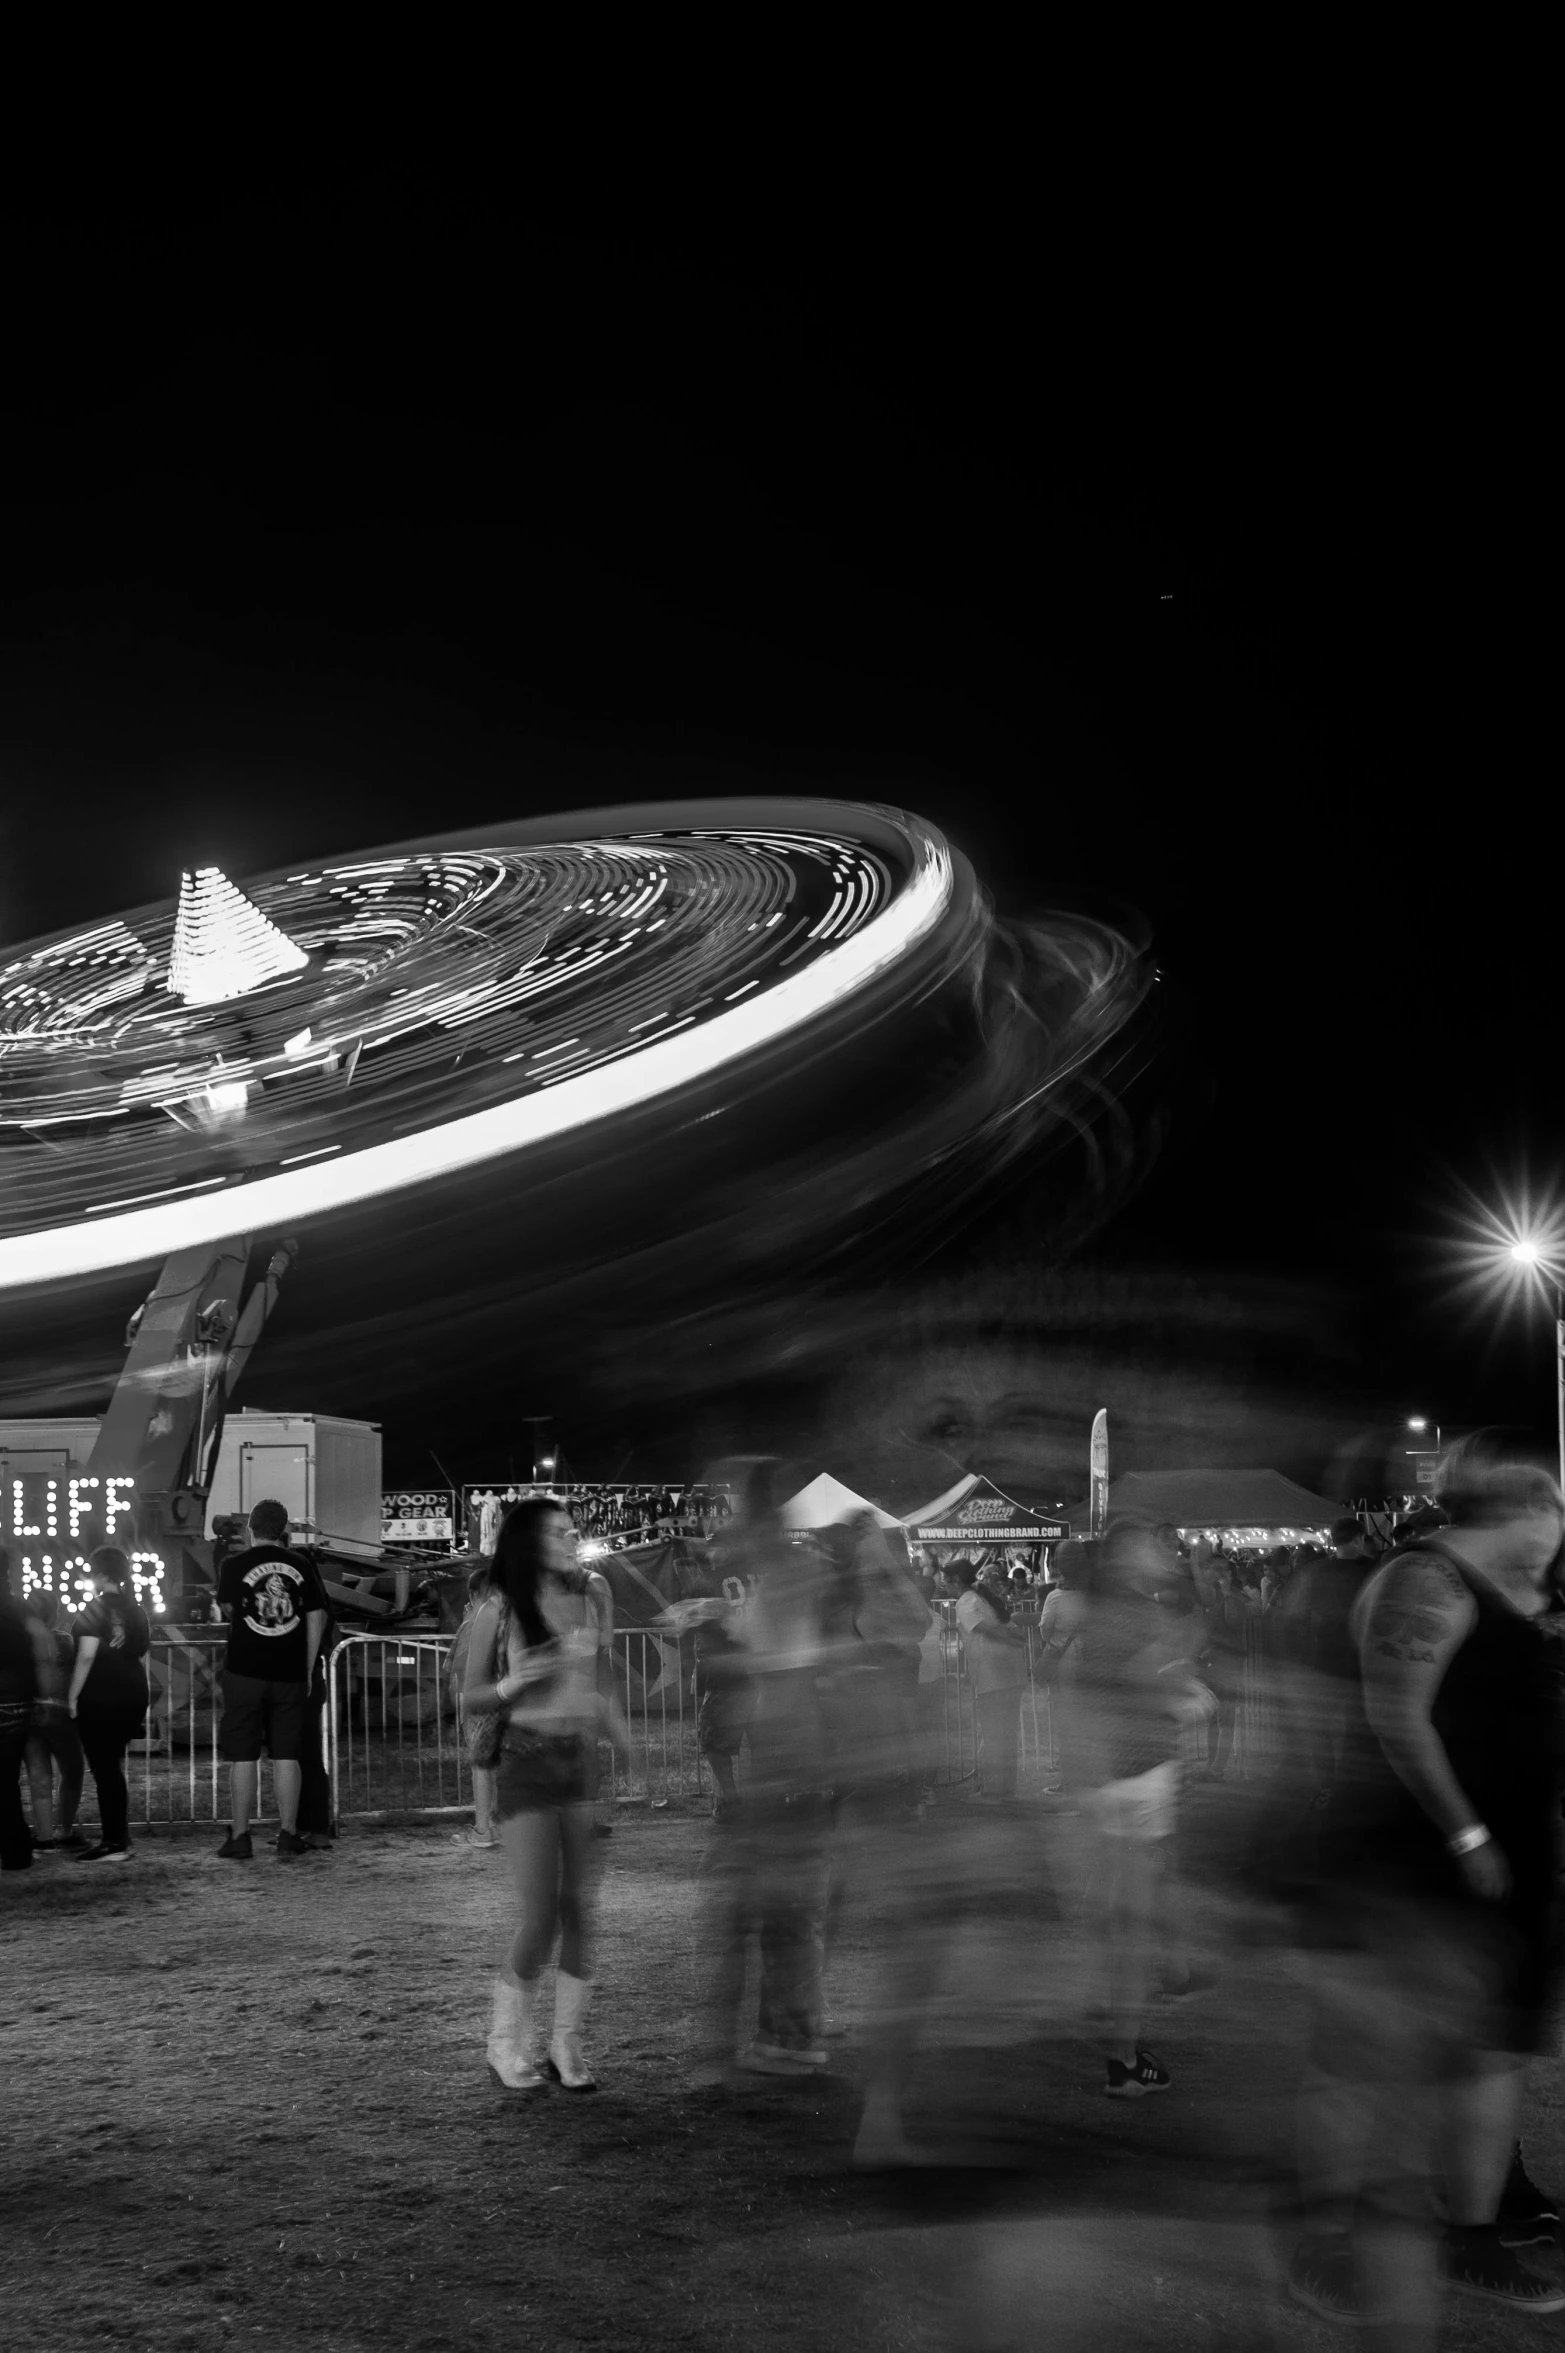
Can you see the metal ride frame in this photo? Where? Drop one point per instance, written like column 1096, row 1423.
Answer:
column 392, row 1746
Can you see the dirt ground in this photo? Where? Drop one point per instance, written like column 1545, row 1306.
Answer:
column 248, row 2105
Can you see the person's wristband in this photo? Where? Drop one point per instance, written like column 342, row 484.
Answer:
column 500, row 1691
column 1468, row 1841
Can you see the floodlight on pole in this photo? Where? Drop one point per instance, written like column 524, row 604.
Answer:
column 1533, row 1256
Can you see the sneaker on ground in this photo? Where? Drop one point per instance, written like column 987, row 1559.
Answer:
column 1528, row 2216
column 74, row 1838
column 1133, row 2083
column 104, row 1854
column 780, row 2059
column 236, row 1850
column 1475, row 2263
column 1326, row 2279
column 290, row 1845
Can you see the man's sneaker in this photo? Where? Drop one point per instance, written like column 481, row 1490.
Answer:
column 104, row 1854
column 1528, row 2216
column 72, row 1838
column 236, row 1850
column 781, row 2059
column 1476, row 2264
column 290, row 1845
column 1325, row 2278
column 1133, row 2083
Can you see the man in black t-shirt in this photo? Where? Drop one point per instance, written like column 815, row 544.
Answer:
column 276, row 1610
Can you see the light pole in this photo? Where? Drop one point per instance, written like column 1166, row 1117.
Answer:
column 1531, row 1257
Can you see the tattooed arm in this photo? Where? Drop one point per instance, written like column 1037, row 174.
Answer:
column 1411, row 1621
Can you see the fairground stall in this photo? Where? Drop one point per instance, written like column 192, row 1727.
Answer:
column 1246, row 1511
column 975, row 1518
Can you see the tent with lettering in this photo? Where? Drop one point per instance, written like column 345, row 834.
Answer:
column 975, row 1511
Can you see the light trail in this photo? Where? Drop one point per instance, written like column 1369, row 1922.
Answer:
column 539, row 958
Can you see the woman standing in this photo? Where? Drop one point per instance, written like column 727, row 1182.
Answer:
column 532, row 1660
column 108, row 1696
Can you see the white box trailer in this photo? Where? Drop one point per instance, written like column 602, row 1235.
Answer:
column 323, row 1469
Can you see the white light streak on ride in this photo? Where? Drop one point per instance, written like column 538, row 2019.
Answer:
column 223, row 946
column 622, row 1080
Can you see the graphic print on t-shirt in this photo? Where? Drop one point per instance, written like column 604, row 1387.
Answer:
column 268, row 1594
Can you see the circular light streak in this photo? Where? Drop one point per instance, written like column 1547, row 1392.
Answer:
column 456, row 1003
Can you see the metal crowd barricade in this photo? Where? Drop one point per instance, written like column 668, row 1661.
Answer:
column 394, row 1738
column 173, row 1767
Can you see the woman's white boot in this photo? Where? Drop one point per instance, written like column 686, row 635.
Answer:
column 510, row 2046
column 566, row 2064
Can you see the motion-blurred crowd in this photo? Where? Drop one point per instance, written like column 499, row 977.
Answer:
column 1400, row 1830
column 1399, row 1826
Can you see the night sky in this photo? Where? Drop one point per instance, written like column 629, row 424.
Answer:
column 1187, row 592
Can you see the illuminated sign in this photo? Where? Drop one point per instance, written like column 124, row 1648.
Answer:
column 418, row 1515
column 54, row 1519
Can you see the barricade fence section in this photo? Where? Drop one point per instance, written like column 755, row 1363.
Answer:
column 392, row 1734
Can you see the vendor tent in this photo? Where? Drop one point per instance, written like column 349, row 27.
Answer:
column 1221, row 1499
column 825, row 1502
column 975, row 1512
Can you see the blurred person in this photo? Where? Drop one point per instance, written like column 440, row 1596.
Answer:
column 533, row 1658
column 996, row 1653
column 1436, row 1934
column 18, row 1691
column 724, row 1700
column 790, row 1789
column 277, row 1614
column 108, row 1694
column 482, row 1832
column 1226, row 1613
column 52, row 1738
column 1059, row 1633
column 1135, row 1691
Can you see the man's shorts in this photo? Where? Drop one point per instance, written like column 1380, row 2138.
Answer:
column 1145, row 1808
column 259, row 1715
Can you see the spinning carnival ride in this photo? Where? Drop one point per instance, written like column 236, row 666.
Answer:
column 358, row 1035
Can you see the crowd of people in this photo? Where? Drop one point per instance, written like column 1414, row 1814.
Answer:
column 1408, row 1828
column 1411, row 1827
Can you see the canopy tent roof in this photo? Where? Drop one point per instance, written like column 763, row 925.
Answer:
column 975, row 1512
column 1221, row 1499
column 825, row 1502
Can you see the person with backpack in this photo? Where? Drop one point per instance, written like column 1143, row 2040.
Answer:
column 108, row 1695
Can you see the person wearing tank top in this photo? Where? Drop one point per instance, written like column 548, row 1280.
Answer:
column 1436, row 1936
column 533, row 1659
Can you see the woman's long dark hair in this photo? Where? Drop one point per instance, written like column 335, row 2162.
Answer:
column 519, row 1565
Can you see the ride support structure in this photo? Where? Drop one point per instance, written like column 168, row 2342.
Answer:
column 187, row 1345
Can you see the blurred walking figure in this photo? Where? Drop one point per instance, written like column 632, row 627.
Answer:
column 1135, row 1692
column 18, row 1692
column 52, row 1738
column 1227, row 1609
column 1436, row 1929
column 108, row 1693
column 533, row 1663
column 996, row 1654
column 482, row 1833
column 1060, row 1627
